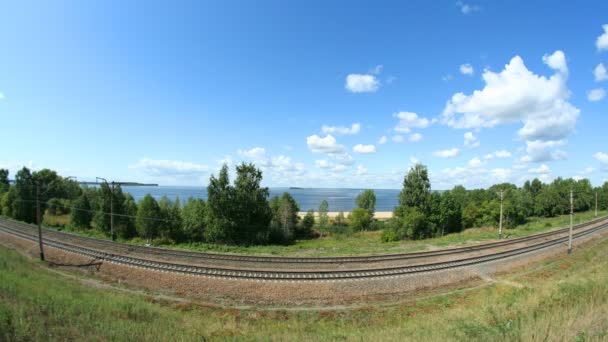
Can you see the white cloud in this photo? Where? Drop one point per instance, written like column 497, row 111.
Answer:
column 600, row 73
column 397, row 138
column 415, row 137
column 1, row 96
column 449, row 153
column 498, row 154
column 342, row 158
column 539, row 151
column 358, row 83
column 543, row 169
column 475, row 163
column 466, row 69
column 501, row 175
column 339, row 168
column 163, row 167
column 470, row 140
column 596, row 94
column 365, row 149
column 254, row 153
column 382, row 140
column 340, row 130
column 408, row 120
column 361, row 170
column 466, row 8
column 602, row 157
column 327, row 144
column 323, row 164
column 602, row 41
column 518, row 95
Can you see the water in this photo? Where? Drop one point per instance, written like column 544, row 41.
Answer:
column 308, row 198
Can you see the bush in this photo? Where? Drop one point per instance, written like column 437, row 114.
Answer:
column 307, row 222
column 412, row 224
column 360, row 219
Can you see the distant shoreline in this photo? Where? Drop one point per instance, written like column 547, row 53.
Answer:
column 382, row 215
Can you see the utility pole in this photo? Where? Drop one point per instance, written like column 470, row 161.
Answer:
column 571, row 220
column 500, row 220
column 38, row 219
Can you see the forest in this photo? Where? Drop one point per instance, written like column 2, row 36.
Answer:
column 241, row 213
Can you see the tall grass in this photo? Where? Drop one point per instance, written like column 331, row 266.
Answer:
column 562, row 299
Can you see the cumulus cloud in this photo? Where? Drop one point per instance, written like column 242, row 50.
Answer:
column 466, row 69
column 415, row 137
column 543, row 169
column 327, row 144
column 164, row 167
column 518, row 95
column 600, row 73
column 466, row 8
column 602, row 41
column 364, row 149
column 539, row 151
column 361, row 83
column 475, row 163
column 382, row 140
column 602, row 157
column 361, row 170
column 501, row 174
column 449, row 153
column 470, row 140
column 397, row 138
column 409, row 120
column 323, row 164
column 595, row 95
column 341, row 130
column 498, row 154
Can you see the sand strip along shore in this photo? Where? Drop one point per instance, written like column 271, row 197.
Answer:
column 381, row 215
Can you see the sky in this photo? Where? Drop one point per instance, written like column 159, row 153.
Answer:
column 315, row 93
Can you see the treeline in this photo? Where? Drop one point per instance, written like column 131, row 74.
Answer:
column 422, row 213
column 240, row 212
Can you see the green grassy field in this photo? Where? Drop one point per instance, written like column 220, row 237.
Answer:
column 369, row 242
column 562, row 299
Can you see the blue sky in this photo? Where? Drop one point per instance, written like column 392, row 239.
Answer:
column 479, row 91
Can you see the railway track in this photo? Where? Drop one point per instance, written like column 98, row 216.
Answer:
column 211, row 257
column 294, row 275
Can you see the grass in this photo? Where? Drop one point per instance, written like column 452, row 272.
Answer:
column 561, row 299
column 368, row 242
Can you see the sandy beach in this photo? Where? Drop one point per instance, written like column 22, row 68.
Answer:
column 381, row 215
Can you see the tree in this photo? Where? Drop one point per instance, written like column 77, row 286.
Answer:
column 360, row 219
column 126, row 225
column 307, row 223
column 339, row 220
column 148, row 219
column 4, row 184
column 412, row 225
column 323, row 216
column 81, row 215
column 171, row 227
column 450, row 217
column 193, row 215
column 416, row 191
column 284, row 218
column 24, row 200
column 220, row 208
column 367, row 200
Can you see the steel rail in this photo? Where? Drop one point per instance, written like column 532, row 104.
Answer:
column 203, row 256
column 293, row 275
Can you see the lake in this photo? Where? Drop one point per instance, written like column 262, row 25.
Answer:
column 307, row 198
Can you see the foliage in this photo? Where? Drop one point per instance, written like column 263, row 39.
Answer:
column 4, row 185
column 193, row 216
column 307, row 223
column 323, row 216
column 148, row 220
column 360, row 219
column 367, row 200
column 285, row 218
column 82, row 216
column 416, row 191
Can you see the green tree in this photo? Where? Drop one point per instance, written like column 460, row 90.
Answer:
column 284, row 218
column 171, row 227
column 193, row 215
column 450, row 214
column 323, row 214
column 81, row 215
column 340, row 220
column 307, row 223
column 367, row 200
column 220, row 208
column 24, row 200
column 4, row 184
column 149, row 218
column 360, row 219
column 413, row 225
column 416, row 191
column 126, row 225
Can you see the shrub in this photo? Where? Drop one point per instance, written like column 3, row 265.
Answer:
column 360, row 219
